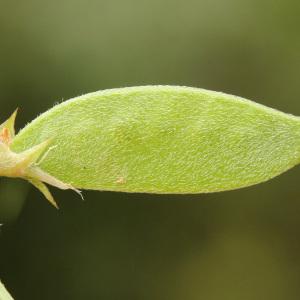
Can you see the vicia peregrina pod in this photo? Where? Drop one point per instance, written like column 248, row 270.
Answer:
column 153, row 139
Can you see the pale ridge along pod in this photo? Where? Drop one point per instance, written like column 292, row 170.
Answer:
column 153, row 139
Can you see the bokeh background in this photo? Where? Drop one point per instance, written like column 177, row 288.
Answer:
column 242, row 244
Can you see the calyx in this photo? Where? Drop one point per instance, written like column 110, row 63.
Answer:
column 25, row 165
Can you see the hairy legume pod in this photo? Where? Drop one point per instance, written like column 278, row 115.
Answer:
column 153, row 139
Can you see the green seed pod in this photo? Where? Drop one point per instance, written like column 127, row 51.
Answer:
column 153, row 139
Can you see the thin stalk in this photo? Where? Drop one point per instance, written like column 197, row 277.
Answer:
column 4, row 294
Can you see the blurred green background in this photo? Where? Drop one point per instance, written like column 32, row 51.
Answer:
column 242, row 244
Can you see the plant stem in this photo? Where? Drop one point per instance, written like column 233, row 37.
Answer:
column 4, row 294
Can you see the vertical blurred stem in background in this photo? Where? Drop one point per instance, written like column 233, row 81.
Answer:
column 4, row 295
column 12, row 198
column 13, row 194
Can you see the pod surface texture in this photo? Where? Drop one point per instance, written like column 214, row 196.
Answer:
column 163, row 139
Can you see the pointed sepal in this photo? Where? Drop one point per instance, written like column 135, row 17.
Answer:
column 32, row 155
column 7, row 129
column 44, row 190
column 39, row 174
